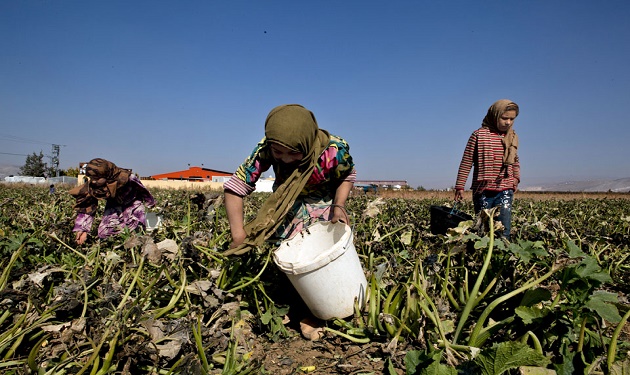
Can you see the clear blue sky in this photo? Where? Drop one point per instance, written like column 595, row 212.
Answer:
column 156, row 85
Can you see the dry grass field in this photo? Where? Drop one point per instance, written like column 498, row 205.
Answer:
column 448, row 195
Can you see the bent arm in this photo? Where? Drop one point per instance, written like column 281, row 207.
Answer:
column 465, row 166
column 234, row 209
column 82, row 226
column 339, row 202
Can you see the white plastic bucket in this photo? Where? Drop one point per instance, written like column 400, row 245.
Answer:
column 323, row 266
column 153, row 220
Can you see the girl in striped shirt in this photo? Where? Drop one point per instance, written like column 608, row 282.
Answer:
column 492, row 151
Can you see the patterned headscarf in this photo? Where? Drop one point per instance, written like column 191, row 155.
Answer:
column 510, row 139
column 88, row 194
column 295, row 127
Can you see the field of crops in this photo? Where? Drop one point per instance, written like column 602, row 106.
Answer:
column 553, row 300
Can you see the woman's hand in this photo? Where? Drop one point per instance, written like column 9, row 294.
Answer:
column 458, row 195
column 338, row 214
column 80, row 237
column 238, row 237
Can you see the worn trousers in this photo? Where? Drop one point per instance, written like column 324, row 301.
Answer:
column 503, row 199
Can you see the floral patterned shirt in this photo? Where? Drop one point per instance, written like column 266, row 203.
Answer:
column 334, row 166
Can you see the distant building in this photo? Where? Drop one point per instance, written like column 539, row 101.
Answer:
column 265, row 184
column 384, row 184
column 195, row 174
column 26, row 179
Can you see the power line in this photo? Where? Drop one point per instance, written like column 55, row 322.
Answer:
column 54, row 157
column 8, row 153
column 13, row 138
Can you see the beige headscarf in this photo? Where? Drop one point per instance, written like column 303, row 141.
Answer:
column 295, row 127
column 510, row 139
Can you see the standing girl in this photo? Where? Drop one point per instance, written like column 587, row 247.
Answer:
column 492, row 151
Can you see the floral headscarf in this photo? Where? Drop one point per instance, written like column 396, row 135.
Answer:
column 88, row 194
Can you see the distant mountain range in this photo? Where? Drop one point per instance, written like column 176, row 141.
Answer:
column 8, row 170
column 621, row 185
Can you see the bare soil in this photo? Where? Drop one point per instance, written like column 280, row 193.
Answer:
column 329, row 355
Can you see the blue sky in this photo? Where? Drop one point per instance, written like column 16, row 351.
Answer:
column 156, row 85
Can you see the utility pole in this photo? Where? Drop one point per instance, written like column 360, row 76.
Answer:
column 54, row 159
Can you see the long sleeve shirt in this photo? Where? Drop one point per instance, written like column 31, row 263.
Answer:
column 121, row 211
column 334, row 166
column 484, row 152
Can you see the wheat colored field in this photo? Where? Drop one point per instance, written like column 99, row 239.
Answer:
column 448, row 195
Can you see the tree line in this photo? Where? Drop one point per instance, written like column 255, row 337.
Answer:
column 35, row 166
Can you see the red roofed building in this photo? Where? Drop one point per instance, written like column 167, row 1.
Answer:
column 195, row 174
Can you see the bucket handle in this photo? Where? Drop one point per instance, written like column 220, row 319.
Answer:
column 454, row 209
column 345, row 212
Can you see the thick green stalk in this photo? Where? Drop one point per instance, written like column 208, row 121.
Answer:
column 431, row 313
column 5, row 274
column 612, row 349
column 478, row 330
column 133, row 282
column 472, row 300
column 54, row 236
column 160, row 312
column 4, row 316
column 199, row 344
column 374, row 305
column 390, row 307
column 581, row 337
column 34, row 352
column 357, row 340
column 253, row 279
column 537, row 345
column 107, row 363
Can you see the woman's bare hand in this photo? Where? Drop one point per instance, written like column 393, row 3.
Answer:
column 80, row 238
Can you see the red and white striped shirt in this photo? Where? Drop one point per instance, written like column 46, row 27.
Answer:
column 484, row 151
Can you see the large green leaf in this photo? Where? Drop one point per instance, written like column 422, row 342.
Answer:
column 574, row 250
column 589, row 269
column 420, row 363
column 438, row 369
column 529, row 314
column 526, row 250
column 620, row 368
column 602, row 303
column 534, row 296
column 507, row 355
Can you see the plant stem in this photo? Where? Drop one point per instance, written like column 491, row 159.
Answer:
column 253, row 279
column 484, row 315
column 472, row 300
column 612, row 349
column 364, row 340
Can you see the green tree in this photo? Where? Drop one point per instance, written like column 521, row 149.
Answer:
column 72, row 172
column 35, row 166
